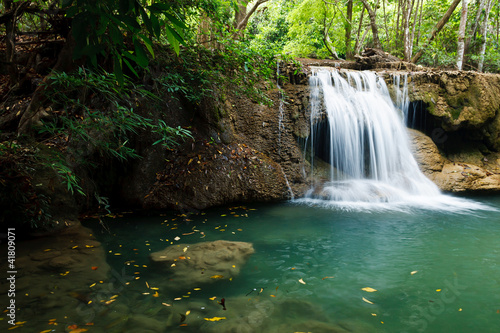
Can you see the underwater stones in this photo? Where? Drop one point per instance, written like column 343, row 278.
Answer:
column 207, row 262
column 146, row 323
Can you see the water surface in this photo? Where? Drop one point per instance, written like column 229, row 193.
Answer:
column 433, row 271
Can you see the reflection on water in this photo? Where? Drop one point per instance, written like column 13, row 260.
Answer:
column 433, row 271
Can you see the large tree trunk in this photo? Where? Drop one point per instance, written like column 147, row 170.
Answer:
column 461, row 35
column 348, row 49
column 373, row 22
column 484, row 33
column 436, row 30
column 407, row 8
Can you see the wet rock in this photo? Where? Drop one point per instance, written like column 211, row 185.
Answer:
column 63, row 261
column 452, row 176
column 192, row 264
column 426, row 152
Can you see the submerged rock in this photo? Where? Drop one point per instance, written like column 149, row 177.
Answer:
column 207, row 262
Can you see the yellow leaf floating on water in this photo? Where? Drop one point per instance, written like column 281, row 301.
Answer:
column 438, row 290
column 188, row 312
column 217, row 276
column 215, row 318
column 368, row 289
column 374, row 314
column 177, row 238
column 302, row 281
column 414, row 272
column 367, row 301
column 166, row 304
column 328, row 277
column 212, row 298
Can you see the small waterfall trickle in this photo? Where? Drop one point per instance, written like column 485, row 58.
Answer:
column 360, row 133
column 281, row 126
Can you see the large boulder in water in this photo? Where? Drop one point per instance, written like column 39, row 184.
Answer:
column 191, row 264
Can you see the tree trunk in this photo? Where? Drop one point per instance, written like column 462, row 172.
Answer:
column 10, row 44
column 35, row 110
column 406, row 28
column 242, row 17
column 419, row 22
column 358, row 36
column 461, row 35
column 436, row 29
column 326, row 31
column 373, row 22
column 475, row 24
column 484, row 33
column 348, row 50
column 412, row 38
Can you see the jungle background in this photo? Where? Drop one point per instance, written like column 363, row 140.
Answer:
column 86, row 86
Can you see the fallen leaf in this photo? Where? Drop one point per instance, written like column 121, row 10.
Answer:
column 79, row 330
column 72, row 327
column 212, row 298
column 215, row 318
column 166, row 304
column 414, row 272
column 328, row 277
column 177, row 238
column 188, row 312
column 374, row 314
column 438, row 290
column 302, row 281
column 177, row 299
column 367, row 301
column 217, row 276
column 94, row 268
column 184, row 249
column 368, row 289
column 156, row 294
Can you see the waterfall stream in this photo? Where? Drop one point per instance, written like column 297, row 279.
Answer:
column 358, row 132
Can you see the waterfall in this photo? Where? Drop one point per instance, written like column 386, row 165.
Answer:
column 281, row 126
column 358, row 135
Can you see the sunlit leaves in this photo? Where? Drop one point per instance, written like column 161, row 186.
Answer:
column 368, row 289
column 367, row 301
column 215, row 318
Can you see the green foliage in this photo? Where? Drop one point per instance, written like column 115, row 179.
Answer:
column 92, row 115
column 20, row 202
column 168, row 135
column 122, row 29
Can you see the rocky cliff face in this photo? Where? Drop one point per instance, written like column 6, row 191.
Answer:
column 251, row 152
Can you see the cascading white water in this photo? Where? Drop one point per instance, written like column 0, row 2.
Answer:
column 357, row 129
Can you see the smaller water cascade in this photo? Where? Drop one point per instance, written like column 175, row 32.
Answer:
column 359, row 138
column 281, row 126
